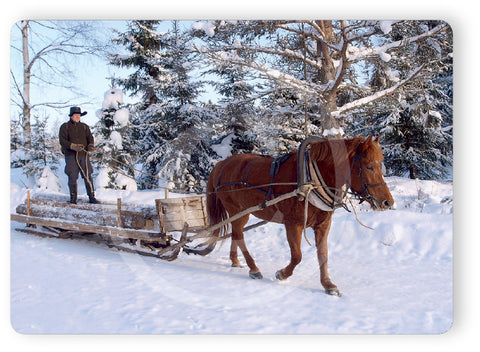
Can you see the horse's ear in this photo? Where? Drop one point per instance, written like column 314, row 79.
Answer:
column 369, row 139
column 377, row 139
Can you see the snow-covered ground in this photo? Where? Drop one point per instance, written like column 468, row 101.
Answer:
column 395, row 279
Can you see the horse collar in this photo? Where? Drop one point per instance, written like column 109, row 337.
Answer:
column 322, row 196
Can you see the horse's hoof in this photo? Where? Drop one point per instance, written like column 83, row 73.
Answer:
column 333, row 292
column 256, row 276
column 236, row 265
column 278, row 275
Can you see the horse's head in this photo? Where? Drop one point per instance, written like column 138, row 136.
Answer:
column 366, row 178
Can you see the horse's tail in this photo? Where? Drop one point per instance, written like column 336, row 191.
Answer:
column 216, row 210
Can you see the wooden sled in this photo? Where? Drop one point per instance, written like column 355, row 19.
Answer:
column 146, row 230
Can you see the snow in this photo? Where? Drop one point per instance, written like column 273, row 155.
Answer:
column 116, row 139
column 207, row 26
column 124, row 182
column 113, row 98
column 395, row 279
column 102, row 179
column 333, row 132
column 384, row 56
column 386, row 26
column 224, row 149
column 48, row 181
column 121, row 117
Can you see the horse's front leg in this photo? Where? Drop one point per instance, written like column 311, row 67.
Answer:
column 294, row 238
column 321, row 235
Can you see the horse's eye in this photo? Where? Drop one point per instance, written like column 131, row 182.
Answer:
column 369, row 168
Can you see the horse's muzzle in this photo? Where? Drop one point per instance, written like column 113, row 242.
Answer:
column 384, row 204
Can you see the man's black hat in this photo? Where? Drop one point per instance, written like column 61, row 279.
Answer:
column 76, row 110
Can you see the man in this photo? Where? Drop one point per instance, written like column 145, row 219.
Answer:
column 76, row 141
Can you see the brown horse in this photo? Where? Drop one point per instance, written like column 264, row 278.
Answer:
column 242, row 181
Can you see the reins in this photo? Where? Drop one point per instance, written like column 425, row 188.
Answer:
column 247, row 185
column 365, row 186
column 305, row 186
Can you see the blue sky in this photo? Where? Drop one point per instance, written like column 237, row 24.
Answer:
column 92, row 78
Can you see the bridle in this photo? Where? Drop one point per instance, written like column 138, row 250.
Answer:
column 325, row 197
column 363, row 194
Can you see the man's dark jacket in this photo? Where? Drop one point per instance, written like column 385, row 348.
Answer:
column 78, row 133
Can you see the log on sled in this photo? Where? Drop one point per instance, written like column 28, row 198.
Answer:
column 141, row 229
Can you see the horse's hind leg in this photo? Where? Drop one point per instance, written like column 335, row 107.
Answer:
column 234, row 255
column 294, row 237
column 238, row 240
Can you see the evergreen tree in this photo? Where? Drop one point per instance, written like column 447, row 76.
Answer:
column 42, row 151
column 416, row 122
column 114, row 143
column 166, row 122
column 17, row 152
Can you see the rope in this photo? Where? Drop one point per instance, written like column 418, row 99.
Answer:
column 356, row 216
column 86, row 166
column 185, row 192
column 306, row 214
column 145, row 173
column 297, row 191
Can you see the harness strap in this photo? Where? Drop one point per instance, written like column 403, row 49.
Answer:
column 308, row 173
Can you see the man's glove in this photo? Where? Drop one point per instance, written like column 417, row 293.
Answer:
column 90, row 148
column 76, row 147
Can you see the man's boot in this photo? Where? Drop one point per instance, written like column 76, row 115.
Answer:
column 73, row 193
column 90, row 192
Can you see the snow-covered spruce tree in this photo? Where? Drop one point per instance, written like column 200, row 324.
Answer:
column 42, row 151
column 142, row 43
column 166, row 122
column 114, row 147
column 416, row 120
column 17, row 152
column 236, row 105
column 281, row 123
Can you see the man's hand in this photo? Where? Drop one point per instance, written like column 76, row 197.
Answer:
column 90, row 148
column 76, row 147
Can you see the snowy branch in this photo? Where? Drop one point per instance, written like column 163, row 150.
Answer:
column 341, row 70
column 274, row 51
column 378, row 95
column 359, row 54
column 305, row 87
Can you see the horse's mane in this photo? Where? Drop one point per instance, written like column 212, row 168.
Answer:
column 339, row 151
column 334, row 150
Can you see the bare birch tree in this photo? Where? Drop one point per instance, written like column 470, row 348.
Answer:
column 48, row 49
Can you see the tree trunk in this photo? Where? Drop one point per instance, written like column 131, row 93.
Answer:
column 413, row 172
column 26, row 85
column 327, row 74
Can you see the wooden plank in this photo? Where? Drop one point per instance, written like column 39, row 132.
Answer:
column 206, row 217
column 160, row 215
column 79, row 227
column 178, row 225
column 182, row 201
column 119, row 212
column 183, row 215
column 105, row 240
column 28, row 202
